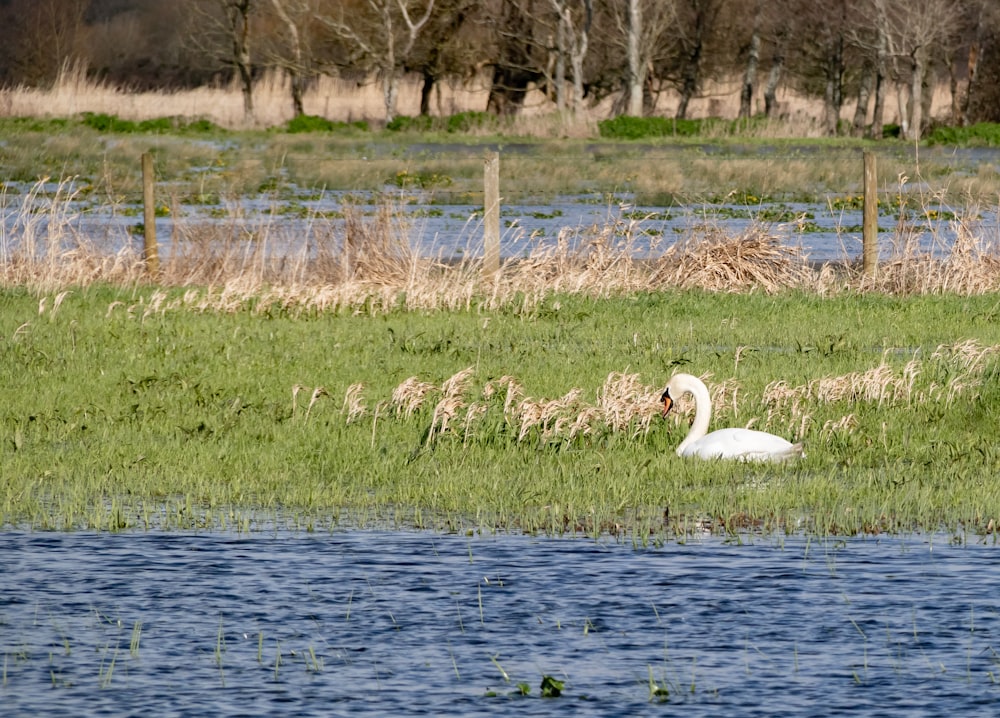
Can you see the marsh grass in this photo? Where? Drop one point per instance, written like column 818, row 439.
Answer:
column 514, row 419
column 544, row 160
column 331, row 374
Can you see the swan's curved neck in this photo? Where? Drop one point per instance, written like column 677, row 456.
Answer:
column 686, row 384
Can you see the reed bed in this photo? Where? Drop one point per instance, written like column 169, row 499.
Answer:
column 625, row 405
column 365, row 260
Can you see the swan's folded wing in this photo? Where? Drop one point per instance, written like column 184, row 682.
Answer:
column 743, row 445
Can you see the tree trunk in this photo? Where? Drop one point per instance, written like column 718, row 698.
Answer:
column 750, row 76
column 426, row 90
column 691, row 72
column 636, row 72
column 864, row 97
column 773, row 78
column 511, row 79
column 579, row 45
column 966, row 96
column 916, row 95
column 239, row 25
column 508, row 90
column 881, row 74
column 833, row 98
column 559, row 76
column 927, row 97
column 294, row 67
column 389, row 65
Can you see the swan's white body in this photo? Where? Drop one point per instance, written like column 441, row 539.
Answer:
column 740, row 444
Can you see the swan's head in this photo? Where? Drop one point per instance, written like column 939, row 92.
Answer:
column 666, row 401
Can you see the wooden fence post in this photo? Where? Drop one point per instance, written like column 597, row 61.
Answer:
column 869, row 232
column 150, row 253
column 491, row 214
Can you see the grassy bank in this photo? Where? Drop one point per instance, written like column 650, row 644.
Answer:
column 122, row 409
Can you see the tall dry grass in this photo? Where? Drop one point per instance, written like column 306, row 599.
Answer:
column 624, row 405
column 350, row 100
column 365, row 260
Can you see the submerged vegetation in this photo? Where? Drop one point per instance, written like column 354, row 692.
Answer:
column 655, row 160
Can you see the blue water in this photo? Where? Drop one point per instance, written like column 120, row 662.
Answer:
column 434, row 227
column 390, row 623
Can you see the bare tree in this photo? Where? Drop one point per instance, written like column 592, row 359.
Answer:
column 220, row 29
column 913, row 30
column 635, row 78
column 976, row 27
column 382, row 34
column 450, row 46
column 774, row 74
column 514, row 57
column 575, row 19
column 753, row 62
column 697, row 19
column 47, row 36
column 289, row 48
column 642, row 34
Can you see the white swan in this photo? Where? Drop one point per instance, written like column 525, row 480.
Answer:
column 741, row 444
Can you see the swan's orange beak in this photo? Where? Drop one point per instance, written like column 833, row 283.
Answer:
column 667, row 403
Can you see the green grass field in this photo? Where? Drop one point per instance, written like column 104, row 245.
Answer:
column 121, row 412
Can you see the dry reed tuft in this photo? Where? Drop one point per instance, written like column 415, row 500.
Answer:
column 754, row 259
column 961, row 367
column 625, row 403
column 409, row 396
column 354, row 405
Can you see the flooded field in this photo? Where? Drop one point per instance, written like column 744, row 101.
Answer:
column 377, row 623
column 441, row 216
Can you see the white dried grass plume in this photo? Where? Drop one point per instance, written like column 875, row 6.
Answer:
column 545, row 414
column 473, row 413
column 513, row 391
column 354, row 405
column 458, row 384
column 878, row 384
column 445, row 410
column 844, row 425
column 317, row 393
column 626, row 402
column 970, row 355
column 410, row 395
column 586, row 422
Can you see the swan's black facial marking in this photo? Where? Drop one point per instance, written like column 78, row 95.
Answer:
column 667, row 402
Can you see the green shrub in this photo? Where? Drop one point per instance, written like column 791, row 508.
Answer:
column 103, row 122
column 626, row 127
column 461, row 122
column 199, row 126
column 33, row 124
column 891, row 130
column 160, row 124
column 466, row 121
column 405, row 123
column 314, row 123
column 980, row 134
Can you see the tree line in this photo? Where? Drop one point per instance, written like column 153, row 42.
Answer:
column 579, row 52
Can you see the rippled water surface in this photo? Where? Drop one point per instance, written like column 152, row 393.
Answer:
column 369, row 623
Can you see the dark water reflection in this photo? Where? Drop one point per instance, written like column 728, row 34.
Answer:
column 369, row 623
